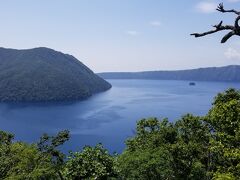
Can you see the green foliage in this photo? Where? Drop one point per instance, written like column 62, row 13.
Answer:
column 26, row 162
column 190, row 152
column 191, row 148
column 150, row 133
column 163, row 150
column 22, row 161
column 5, row 148
column 224, row 118
column 48, row 146
column 147, row 155
column 227, row 176
column 6, row 138
column 91, row 163
column 145, row 164
column 31, row 161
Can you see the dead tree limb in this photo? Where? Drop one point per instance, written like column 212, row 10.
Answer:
column 234, row 30
column 220, row 8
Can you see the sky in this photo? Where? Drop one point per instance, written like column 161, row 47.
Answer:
column 123, row 35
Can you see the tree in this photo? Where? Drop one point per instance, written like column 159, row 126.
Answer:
column 234, row 29
column 48, row 147
column 147, row 155
column 5, row 149
column 91, row 163
column 190, row 152
column 20, row 160
column 224, row 118
column 164, row 150
column 26, row 162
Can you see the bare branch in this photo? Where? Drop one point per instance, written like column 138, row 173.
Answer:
column 236, row 23
column 234, row 29
column 219, row 27
column 220, row 8
column 203, row 34
column 227, row 36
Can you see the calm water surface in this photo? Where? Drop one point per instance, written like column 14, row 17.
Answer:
column 110, row 117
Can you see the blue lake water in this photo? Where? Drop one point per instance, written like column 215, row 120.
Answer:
column 110, row 117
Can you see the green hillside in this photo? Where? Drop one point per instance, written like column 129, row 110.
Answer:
column 42, row 74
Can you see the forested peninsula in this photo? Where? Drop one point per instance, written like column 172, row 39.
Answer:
column 43, row 75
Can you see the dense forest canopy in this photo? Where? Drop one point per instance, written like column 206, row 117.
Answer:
column 43, row 74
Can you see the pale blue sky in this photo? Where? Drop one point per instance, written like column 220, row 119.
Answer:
column 122, row 35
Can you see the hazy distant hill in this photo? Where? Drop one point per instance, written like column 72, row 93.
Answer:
column 42, row 74
column 227, row 73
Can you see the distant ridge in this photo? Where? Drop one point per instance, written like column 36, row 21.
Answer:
column 227, row 73
column 43, row 74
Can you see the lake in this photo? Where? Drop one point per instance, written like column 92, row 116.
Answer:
column 110, row 117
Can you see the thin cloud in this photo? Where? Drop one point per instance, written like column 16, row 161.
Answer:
column 232, row 53
column 155, row 23
column 206, row 7
column 132, row 33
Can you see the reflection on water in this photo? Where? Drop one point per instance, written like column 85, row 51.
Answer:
column 110, row 117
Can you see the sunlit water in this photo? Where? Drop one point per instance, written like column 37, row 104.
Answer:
column 110, row 117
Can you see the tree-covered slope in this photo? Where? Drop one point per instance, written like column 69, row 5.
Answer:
column 42, row 74
column 227, row 73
